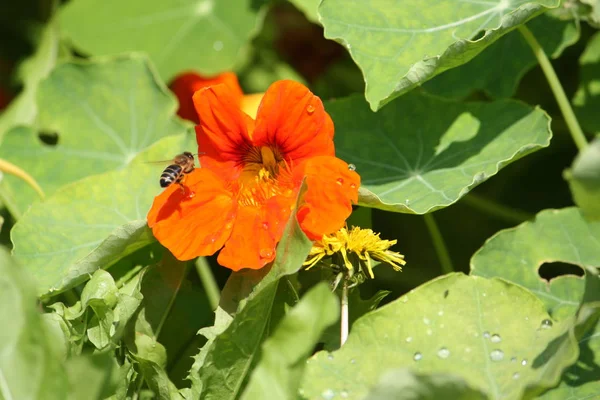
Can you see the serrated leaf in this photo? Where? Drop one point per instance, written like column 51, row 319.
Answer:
column 206, row 35
column 23, row 109
column 494, row 335
column 586, row 101
column 411, row 162
column 105, row 113
column 404, row 384
column 282, row 361
column 555, row 236
column 224, row 363
column 92, row 223
column 30, row 367
column 398, row 48
column 584, row 180
column 500, row 67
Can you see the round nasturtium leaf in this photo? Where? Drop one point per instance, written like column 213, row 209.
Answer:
column 401, row 45
column 204, row 35
column 491, row 333
column 92, row 223
column 516, row 255
column 101, row 114
column 422, row 153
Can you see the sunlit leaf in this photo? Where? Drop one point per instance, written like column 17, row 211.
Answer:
column 309, row 8
column 283, row 355
column 494, row 335
column 92, row 223
column 104, row 113
column 584, row 180
column 404, row 384
column 586, row 101
column 500, row 67
column 206, row 35
column 555, row 236
column 421, row 153
column 30, row 367
column 400, row 47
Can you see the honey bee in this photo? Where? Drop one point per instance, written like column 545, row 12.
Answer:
column 180, row 165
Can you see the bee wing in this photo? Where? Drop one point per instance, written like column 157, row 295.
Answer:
column 159, row 162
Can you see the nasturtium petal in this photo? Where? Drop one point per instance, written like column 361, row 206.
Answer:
column 206, row 35
column 498, row 69
column 92, row 223
column 422, row 153
column 494, row 335
column 516, row 255
column 103, row 112
column 401, row 46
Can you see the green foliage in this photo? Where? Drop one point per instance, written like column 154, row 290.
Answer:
column 398, row 48
column 412, row 163
column 93, row 307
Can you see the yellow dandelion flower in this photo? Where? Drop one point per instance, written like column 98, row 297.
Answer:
column 359, row 245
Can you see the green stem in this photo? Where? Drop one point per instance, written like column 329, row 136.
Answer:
column 344, row 325
column 498, row 210
column 208, row 281
column 171, row 301
column 438, row 244
column 557, row 89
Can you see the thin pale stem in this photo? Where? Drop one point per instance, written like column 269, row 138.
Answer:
column 344, row 311
column 208, row 281
column 438, row 244
column 498, row 210
column 559, row 93
column 12, row 169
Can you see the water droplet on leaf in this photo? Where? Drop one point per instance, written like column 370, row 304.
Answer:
column 513, row 359
column 546, row 324
column 516, row 375
column 328, row 394
column 353, row 361
column 426, row 321
column 409, row 339
column 429, row 332
column 330, row 356
column 524, row 362
column 440, row 313
column 495, row 338
column 443, row 353
column 486, row 334
column 344, row 394
column 497, row 355
column 352, row 167
column 417, row 356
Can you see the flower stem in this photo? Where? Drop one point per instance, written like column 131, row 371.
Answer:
column 559, row 93
column 498, row 210
column 12, row 169
column 208, row 281
column 438, row 244
column 344, row 313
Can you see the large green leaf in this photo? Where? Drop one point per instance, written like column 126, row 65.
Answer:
column 500, row 67
column 282, row 362
column 401, row 46
column 206, row 35
column 584, row 180
column 104, row 112
column 421, row 153
column 224, row 363
column 92, row 377
column 30, row 366
column 516, row 255
column 586, row 101
column 92, row 223
column 494, row 335
column 23, row 109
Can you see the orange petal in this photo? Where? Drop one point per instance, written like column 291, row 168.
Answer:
column 256, row 232
column 223, row 134
column 331, row 190
column 294, row 119
column 186, row 84
column 195, row 221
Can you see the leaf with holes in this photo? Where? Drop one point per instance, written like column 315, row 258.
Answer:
column 586, row 100
column 555, row 236
column 103, row 112
column 500, row 67
column 411, row 162
column 92, row 223
column 398, row 48
column 493, row 334
column 206, row 35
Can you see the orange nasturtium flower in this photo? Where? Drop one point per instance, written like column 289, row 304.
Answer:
column 252, row 171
